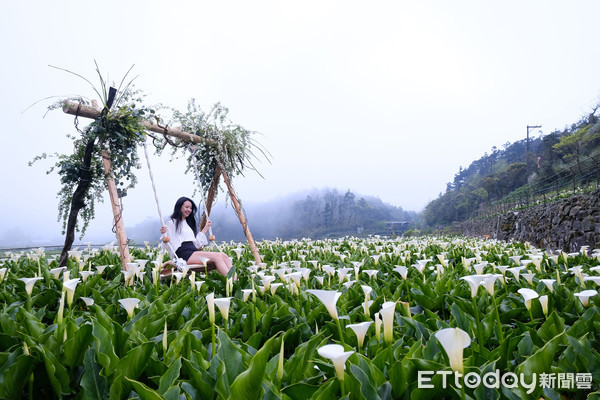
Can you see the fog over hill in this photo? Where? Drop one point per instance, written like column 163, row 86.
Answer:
column 314, row 213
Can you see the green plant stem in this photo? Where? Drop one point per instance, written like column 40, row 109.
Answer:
column 407, row 290
column 342, row 386
column 479, row 328
column 500, row 333
column 213, row 339
column 339, row 325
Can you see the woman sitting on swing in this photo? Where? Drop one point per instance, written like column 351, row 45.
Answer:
column 187, row 241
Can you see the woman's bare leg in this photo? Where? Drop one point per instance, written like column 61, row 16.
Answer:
column 221, row 260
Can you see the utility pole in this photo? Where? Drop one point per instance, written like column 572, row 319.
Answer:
column 527, row 150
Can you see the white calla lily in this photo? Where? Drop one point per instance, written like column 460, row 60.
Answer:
column 549, row 284
column 57, row 271
column 387, row 312
column 402, row 270
column 210, row 301
column 528, row 295
column 329, row 298
column 338, row 357
column 70, row 286
column 29, row 283
column 360, row 330
column 223, row 305
column 129, row 304
column 585, row 295
column 544, row 302
column 454, row 341
column 474, row 282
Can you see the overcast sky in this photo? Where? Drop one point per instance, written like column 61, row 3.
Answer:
column 385, row 98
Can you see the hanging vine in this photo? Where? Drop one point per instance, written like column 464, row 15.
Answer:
column 118, row 130
column 228, row 144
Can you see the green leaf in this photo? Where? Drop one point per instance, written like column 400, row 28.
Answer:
column 14, row 374
column 105, row 348
column 95, row 386
column 57, row 373
column 169, row 378
column 366, row 381
column 75, row 346
column 143, row 391
column 246, row 385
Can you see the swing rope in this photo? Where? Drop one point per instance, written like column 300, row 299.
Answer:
column 178, row 261
column 192, row 150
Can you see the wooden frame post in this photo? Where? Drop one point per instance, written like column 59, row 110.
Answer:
column 117, row 211
column 242, row 218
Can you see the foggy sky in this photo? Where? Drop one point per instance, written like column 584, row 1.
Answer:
column 387, row 99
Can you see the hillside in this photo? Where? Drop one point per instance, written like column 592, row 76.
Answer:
column 551, row 161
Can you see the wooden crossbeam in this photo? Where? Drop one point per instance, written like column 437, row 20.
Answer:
column 86, row 111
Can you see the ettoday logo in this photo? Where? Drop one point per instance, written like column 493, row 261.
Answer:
column 509, row 380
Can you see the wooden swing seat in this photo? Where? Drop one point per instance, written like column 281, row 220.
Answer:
column 168, row 267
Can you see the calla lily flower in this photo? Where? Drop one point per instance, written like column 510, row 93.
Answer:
column 129, row 304
column 210, row 301
column 320, row 279
column 88, row 301
column 266, row 281
column 61, row 309
column 402, row 270
column 70, row 286
column 100, row 268
column 29, row 282
column 223, row 305
column 275, row 286
column 377, row 326
column 595, row 279
column 343, row 274
column 338, row 357
column 515, row 271
column 549, row 284
column 454, row 341
column 329, row 298
column 544, row 302
column 178, row 276
column 238, row 251
column 371, row 272
column 528, row 277
column 489, row 281
column 56, row 272
column 528, row 295
column 86, row 274
column 474, row 282
column 479, row 267
column 585, row 295
column 246, row 294
column 198, row 285
column 360, row 330
column 387, row 312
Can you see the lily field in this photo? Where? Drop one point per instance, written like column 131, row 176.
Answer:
column 356, row 318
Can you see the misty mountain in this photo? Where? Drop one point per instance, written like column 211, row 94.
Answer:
column 316, row 213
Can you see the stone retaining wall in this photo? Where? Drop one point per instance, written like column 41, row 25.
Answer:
column 565, row 225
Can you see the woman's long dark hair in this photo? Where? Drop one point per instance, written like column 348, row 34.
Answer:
column 191, row 219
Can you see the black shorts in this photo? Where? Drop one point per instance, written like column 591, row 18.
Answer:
column 186, row 250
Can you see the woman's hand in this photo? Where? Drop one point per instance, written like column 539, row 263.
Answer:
column 207, row 226
column 165, row 238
